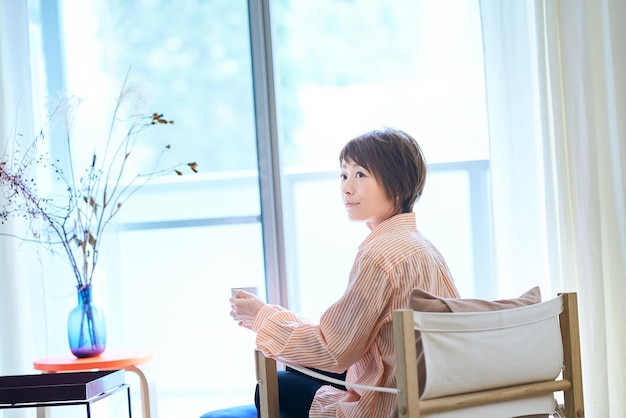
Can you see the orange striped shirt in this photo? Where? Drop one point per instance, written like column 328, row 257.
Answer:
column 355, row 333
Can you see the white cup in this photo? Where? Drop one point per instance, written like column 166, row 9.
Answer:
column 254, row 290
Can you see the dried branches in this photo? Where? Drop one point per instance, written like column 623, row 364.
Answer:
column 76, row 216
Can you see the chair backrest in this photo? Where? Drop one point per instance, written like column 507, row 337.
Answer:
column 501, row 363
column 460, row 382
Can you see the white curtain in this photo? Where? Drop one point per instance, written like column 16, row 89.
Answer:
column 585, row 78
column 22, row 321
column 518, row 209
column 566, row 198
column 15, row 117
column 21, row 297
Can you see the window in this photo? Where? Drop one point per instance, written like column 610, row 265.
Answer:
column 181, row 243
column 361, row 65
column 340, row 68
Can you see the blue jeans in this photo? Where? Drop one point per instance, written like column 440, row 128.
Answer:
column 295, row 394
column 296, row 391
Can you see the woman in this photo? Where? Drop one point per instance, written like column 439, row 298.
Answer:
column 382, row 176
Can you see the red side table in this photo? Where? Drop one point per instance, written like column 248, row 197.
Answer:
column 109, row 360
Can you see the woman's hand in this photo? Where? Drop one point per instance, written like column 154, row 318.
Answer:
column 244, row 307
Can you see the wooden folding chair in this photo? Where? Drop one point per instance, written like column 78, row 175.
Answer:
column 553, row 343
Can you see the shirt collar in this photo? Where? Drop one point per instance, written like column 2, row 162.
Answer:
column 404, row 221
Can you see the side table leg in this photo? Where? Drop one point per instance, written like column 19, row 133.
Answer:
column 41, row 412
column 130, row 407
column 148, row 395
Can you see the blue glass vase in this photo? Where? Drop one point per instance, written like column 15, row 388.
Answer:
column 86, row 326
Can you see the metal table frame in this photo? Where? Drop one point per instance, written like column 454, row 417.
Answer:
column 87, row 402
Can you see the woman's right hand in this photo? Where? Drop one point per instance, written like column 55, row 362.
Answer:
column 244, row 306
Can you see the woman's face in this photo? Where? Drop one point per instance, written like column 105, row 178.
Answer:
column 364, row 198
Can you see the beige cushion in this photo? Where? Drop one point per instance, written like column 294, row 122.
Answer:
column 425, row 302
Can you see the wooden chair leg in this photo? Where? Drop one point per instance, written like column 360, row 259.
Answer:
column 406, row 364
column 574, row 403
column 267, row 378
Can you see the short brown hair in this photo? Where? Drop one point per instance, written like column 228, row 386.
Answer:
column 395, row 159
